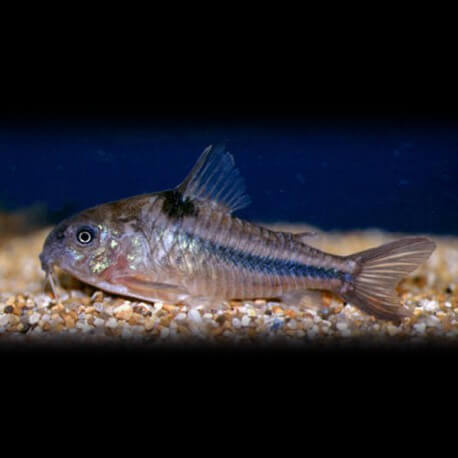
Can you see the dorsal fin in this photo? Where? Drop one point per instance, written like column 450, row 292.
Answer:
column 216, row 179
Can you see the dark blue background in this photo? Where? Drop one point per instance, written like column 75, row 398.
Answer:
column 336, row 172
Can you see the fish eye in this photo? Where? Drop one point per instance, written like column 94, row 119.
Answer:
column 85, row 235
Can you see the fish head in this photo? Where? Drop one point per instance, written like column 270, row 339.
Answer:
column 92, row 248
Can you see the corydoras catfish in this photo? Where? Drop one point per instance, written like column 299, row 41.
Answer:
column 185, row 244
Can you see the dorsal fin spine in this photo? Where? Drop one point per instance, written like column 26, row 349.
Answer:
column 214, row 178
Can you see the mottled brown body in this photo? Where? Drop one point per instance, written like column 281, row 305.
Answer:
column 185, row 243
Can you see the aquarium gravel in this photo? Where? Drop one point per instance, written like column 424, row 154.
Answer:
column 29, row 313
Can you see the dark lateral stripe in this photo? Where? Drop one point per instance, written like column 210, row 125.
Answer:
column 275, row 266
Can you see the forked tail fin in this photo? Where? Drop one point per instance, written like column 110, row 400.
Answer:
column 379, row 270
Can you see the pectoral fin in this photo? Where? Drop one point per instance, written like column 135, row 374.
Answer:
column 146, row 288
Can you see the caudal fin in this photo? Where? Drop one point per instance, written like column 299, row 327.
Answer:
column 380, row 269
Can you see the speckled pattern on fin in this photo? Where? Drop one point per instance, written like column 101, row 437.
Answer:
column 215, row 179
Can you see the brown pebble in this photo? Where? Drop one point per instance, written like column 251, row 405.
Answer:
column 123, row 312
column 149, row 324
column 69, row 321
column 217, row 331
column 169, row 308
column 221, row 319
column 86, row 300
column 58, row 308
column 133, row 320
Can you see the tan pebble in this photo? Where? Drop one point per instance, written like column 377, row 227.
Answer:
column 259, row 302
column 20, row 304
column 86, row 301
column 326, row 298
column 220, row 319
column 58, row 308
column 59, row 327
column 217, row 331
column 123, row 312
column 13, row 320
column 252, row 332
column 165, row 321
column 97, row 297
column 134, row 319
column 69, row 321
column 149, row 324
column 169, row 308
column 183, row 330
column 46, row 326
column 117, row 302
column 11, row 300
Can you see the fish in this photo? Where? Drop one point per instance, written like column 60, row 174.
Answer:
column 185, row 244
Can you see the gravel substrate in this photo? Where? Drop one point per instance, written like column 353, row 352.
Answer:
column 28, row 313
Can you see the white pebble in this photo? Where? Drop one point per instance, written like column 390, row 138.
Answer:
column 433, row 322
column 429, row 306
column 165, row 332
column 292, row 324
column 194, row 315
column 180, row 317
column 111, row 323
column 307, row 322
column 158, row 306
column 236, row 323
column 99, row 306
column 4, row 320
column 34, row 318
column 42, row 301
column 420, row 328
column 342, row 326
column 246, row 320
column 98, row 322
